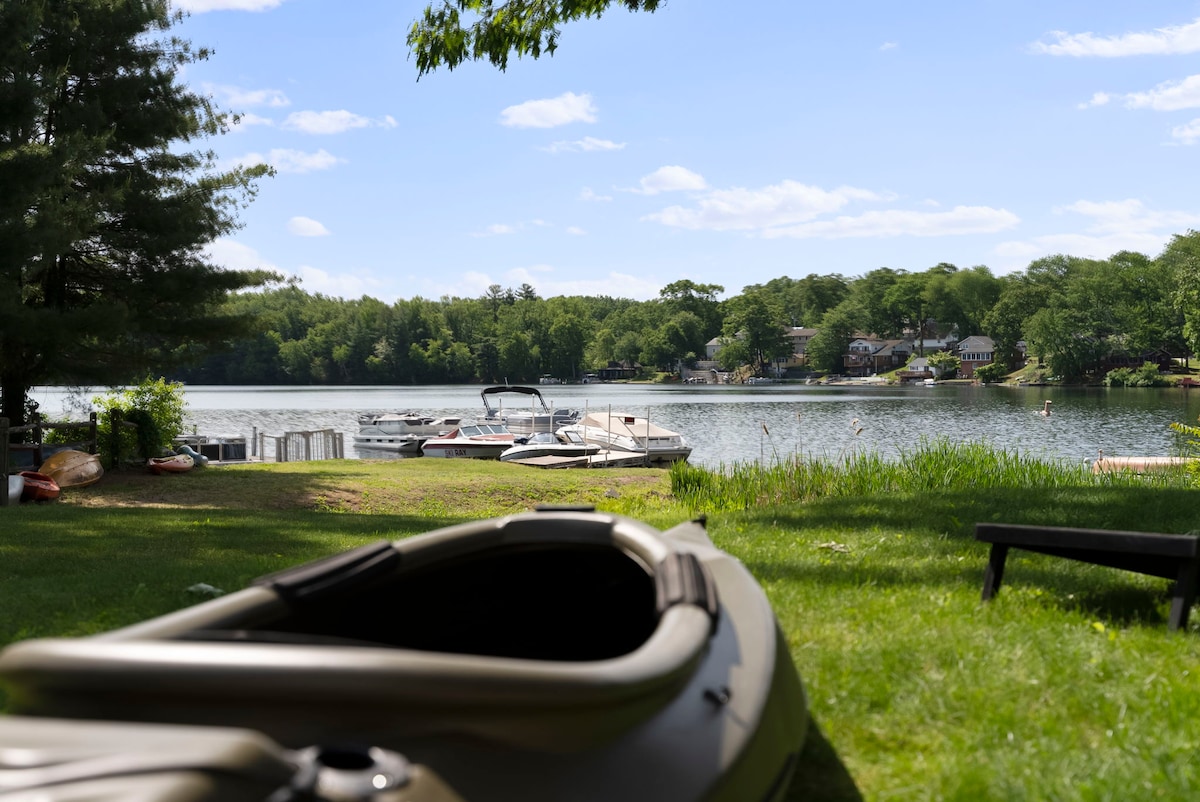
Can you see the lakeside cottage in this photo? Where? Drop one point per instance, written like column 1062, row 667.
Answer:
column 867, row 355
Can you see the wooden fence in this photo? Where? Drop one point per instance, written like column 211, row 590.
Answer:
column 37, row 447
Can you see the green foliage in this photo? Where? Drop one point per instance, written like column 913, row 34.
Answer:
column 932, row 466
column 156, row 406
column 991, row 372
column 1073, row 312
column 524, row 27
column 946, row 362
column 106, row 207
column 1145, row 376
column 1189, row 439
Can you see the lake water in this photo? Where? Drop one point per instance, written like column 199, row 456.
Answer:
column 726, row 423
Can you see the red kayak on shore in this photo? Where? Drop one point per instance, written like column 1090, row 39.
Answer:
column 39, row 487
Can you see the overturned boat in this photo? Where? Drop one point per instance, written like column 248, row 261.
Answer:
column 560, row 654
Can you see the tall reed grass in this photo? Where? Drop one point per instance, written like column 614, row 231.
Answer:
column 933, row 464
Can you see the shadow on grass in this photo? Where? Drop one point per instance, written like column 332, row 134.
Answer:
column 76, row 570
column 954, row 513
column 1106, row 594
column 820, row 774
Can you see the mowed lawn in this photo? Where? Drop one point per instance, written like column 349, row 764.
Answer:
column 1066, row 686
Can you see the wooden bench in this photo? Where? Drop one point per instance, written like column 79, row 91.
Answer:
column 1174, row 557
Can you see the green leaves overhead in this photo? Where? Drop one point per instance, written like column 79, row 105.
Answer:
column 442, row 38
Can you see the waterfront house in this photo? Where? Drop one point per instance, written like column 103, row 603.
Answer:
column 973, row 352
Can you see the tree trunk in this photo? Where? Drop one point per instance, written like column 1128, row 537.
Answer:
column 13, row 391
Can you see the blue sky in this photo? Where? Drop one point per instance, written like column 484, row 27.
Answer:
column 726, row 143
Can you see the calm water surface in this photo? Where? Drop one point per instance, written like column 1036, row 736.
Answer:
column 726, row 424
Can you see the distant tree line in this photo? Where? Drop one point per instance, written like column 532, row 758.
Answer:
column 1069, row 311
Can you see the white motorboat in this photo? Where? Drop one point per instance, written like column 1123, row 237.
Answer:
column 617, row 431
column 551, row 444
column 476, row 441
column 538, row 416
column 401, row 431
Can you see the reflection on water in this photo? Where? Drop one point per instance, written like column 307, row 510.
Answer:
column 727, row 424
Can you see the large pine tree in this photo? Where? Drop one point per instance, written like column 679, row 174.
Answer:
column 106, row 200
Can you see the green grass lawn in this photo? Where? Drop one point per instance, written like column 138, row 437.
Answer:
column 1066, row 686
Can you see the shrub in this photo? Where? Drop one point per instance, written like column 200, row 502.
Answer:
column 1145, row 376
column 992, row 372
column 155, row 405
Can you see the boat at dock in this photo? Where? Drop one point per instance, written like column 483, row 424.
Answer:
column 476, row 441
column 401, row 431
column 619, row 432
column 551, row 444
column 538, row 417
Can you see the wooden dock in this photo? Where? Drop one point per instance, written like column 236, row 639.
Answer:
column 605, row 459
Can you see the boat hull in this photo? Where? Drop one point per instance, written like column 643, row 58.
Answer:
column 178, row 463
column 575, row 654
column 464, row 450
column 39, row 487
column 404, row 444
column 73, row 468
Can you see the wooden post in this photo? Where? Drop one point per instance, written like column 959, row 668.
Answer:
column 114, row 437
column 38, row 455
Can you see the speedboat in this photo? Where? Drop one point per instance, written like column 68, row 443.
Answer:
column 548, row 444
column 550, row 655
column 400, row 431
column 537, row 417
column 477, row 441
column 618, row 431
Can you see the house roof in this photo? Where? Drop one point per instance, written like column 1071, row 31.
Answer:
column 892, row 346
column 977, row 342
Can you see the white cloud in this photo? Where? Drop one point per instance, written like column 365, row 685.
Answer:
column 902, row 222
column 1160, row 41
column 333, row 122
column 293, row 161
column 587, row 144
column 738, row 209
column 888, row 46
column 551, row 112
column 671, row 178
column 586, row 194
column 337, row 285
column 1098, row 99
column 306, row 227
column 324, row 122
column 576, row 231
column 1128, row 216
column 495, row 230
column 202, row 6
column 542, row 278
column 235, row 256
column 1168, row 96
column 1188, row 133
column 1111, row 226
column 237, row 97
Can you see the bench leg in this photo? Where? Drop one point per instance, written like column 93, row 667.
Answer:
column 995, row 570
column 1184, row 595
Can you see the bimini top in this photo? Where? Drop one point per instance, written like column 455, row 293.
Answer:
column 511, row 388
